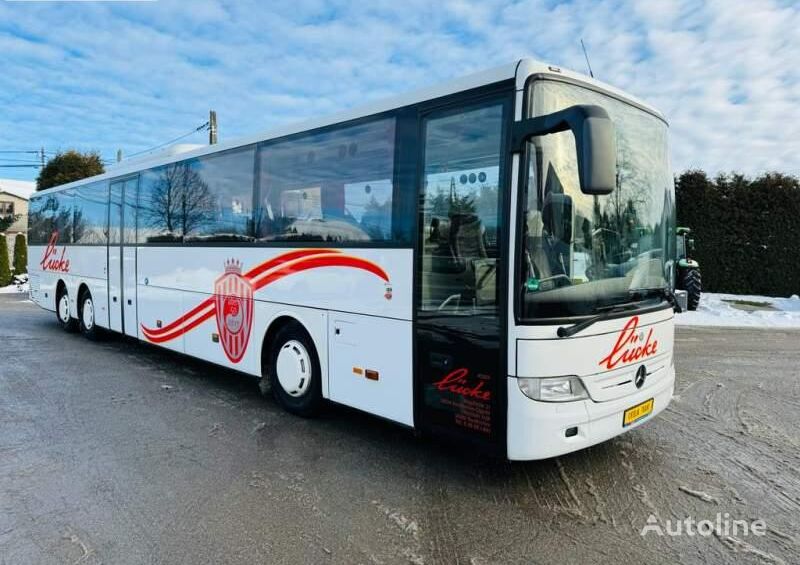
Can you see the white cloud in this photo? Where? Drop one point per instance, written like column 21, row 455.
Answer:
column 102, row 75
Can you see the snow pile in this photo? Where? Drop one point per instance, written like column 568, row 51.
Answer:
column 715, row 311
column 19, row 284
column 14, row 289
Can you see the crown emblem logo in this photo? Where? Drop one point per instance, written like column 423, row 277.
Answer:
column 233, row 266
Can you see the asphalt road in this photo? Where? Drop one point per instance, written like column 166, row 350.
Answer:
column 117, row 452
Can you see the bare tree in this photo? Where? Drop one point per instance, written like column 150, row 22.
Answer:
column 180, row 201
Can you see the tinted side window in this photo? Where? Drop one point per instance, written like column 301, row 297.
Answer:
column 161, row 196
column 62, row 215
column 37, row 223
column 333, row 186
column 219, row 197
column 89, row 214
column 461, row 210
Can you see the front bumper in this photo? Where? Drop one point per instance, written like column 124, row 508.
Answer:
column 536, row 430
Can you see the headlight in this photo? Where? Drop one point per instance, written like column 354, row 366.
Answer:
column 553, row 389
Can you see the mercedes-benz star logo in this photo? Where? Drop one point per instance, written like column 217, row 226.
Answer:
column 641, row 375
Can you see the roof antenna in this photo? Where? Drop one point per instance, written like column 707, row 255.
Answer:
column 585, row 54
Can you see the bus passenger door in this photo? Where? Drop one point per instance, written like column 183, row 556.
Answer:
column 460, row 362
column 115, row 256
column 129, row 207
column 122, row 256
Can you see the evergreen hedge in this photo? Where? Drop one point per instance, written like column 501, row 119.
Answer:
column 747, row 231
column 5, row 268
column 20, row 255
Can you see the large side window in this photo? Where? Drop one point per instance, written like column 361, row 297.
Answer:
column 205, row 199
column 46, row 215
column 37, row 224
column 89, row 214
column 332, row 186
column 62, row 215
column 162, row 191
column 461, row 209
column 219, row 197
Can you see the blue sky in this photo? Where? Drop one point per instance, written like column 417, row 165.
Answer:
column 130, row 75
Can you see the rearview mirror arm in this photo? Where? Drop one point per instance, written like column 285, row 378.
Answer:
column 571, row 118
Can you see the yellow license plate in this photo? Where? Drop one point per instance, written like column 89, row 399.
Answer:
column 636, row 413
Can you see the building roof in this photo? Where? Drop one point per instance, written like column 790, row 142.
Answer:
column 19, row 188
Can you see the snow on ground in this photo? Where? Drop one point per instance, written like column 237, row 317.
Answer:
column 715, row 311
column 14, row 289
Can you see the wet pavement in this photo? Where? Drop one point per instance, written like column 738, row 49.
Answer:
column 117, row 452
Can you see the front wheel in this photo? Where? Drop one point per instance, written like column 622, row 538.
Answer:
column 294, row 371
column 87, row 317
column 693, row 286
column 65, row 320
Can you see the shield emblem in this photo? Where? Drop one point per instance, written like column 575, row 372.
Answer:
column 233, row 297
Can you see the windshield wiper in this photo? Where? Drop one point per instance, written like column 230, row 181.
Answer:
column 602, row 313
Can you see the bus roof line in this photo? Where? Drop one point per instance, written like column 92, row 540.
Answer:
column 519, row 71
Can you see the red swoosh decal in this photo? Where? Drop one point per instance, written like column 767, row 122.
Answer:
column 275, row 269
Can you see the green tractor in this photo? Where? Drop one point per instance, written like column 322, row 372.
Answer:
column 688, row 275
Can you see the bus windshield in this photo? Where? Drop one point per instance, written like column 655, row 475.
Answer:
column 582, row 252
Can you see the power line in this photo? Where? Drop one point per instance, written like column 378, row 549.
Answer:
column 171, row 141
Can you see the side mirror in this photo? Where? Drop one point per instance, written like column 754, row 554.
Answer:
column 595, row 142
column 557, row 216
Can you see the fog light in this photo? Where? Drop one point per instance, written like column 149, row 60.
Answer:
column 553, row 389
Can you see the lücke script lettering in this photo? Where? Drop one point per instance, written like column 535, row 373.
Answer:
column 457, row 383
column 630, row 347
column 49, row 260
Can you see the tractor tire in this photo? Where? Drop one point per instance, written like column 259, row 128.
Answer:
column 693, row 286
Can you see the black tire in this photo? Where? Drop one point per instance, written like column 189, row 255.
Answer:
column 298, row 387
column 693, row 286
column 86, row 316
column 63, row 315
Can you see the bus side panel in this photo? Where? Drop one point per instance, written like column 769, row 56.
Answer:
column 160, row 303
column 42, row 283
column 191, row 291
column 87, row 264
column 376, row 282
column 371, row 365
column 204, row 341
column 76, row 265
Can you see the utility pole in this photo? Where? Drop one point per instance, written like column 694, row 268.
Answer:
column 212, row 127
column 41, row 154
column 119, row 155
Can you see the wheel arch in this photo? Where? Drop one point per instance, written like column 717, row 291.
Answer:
column 278, row 322
column 315, row 329
column 82, row 287
column 61, row 286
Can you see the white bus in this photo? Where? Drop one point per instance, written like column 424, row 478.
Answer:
column 491, row 260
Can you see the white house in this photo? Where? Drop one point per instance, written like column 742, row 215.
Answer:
column 14, row 196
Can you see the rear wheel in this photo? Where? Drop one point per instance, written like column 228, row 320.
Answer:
column 294, row 371
column 693, row 286
column 87, row 317
column 65, row 320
